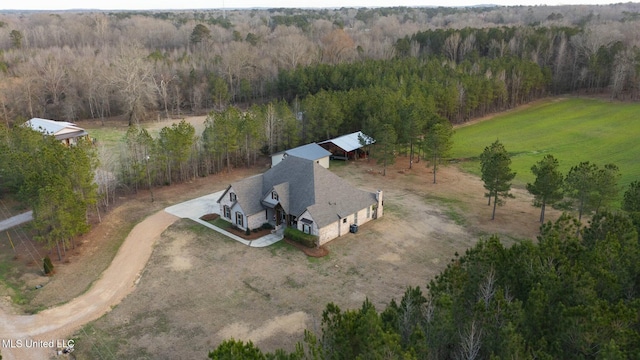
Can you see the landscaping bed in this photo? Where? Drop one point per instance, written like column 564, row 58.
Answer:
column 313, row 252
column 215, row 220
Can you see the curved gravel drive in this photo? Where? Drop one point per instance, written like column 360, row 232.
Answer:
column 117, row 281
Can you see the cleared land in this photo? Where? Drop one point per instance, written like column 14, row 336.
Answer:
column 571, row 129
column 200, row 288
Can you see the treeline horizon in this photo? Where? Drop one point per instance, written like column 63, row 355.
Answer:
column 143, row 65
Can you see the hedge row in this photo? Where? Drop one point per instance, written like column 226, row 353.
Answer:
column 298, row 236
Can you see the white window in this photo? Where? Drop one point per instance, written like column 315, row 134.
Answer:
column 232, row 196
column 274, row 195
column 239, row 219
column 368, row 212
column 227, row 212
column 306, row 225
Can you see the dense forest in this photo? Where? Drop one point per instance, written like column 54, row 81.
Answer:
column 284, row 77
column 144, row 65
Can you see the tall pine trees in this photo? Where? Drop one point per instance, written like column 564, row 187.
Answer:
column 496, row 174
column 547, row 188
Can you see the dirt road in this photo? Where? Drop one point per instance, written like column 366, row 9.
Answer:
column 29, row 336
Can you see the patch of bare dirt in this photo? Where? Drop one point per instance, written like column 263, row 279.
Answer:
column 316, row 252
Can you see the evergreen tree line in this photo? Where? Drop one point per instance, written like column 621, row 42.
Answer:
column 586, row 188
column 54, row 180
column 572, row 294
column 143, row 65
column 231, row 138
column 379, row 88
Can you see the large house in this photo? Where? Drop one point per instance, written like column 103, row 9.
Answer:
column 311, row 151
column 67, row 133
column 302, row 194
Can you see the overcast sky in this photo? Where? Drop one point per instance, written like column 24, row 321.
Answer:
column 233, row 4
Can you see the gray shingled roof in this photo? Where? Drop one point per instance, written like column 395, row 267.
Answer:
column 249, row 193
column 282, row 190
column 336, row 198
column 303, row 185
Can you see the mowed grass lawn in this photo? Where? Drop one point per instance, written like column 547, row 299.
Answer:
column 571, row 129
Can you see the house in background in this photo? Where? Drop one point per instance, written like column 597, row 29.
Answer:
column 313, row 152
column 66, row 132
column 302, row 194
column 347, row 146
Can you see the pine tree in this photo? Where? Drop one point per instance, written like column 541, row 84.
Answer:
column 438, row 144
column 591, row 187
column 631, row 200
column 547, row 188
column 385, row 146
column 580, row 184
column 496, row 174
column 48, row 266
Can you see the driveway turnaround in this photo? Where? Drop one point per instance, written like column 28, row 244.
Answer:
column 196, row 208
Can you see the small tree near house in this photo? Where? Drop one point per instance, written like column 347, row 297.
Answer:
column 48, row 266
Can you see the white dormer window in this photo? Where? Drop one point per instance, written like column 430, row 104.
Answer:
column 232, row 197
column 274, row 195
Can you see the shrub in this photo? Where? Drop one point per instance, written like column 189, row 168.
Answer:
column 267, row 226
column 247, row 231
column 48, row 266
column 298, row 236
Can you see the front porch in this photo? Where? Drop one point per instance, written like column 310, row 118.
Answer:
column 278, row 218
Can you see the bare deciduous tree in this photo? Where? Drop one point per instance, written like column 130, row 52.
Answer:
column 487, row 288
column 451, row 45
column 337, row 47
column 470, row 342
column 131, row 78
column 291, row 47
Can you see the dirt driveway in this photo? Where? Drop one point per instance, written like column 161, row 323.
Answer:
column 200, row 288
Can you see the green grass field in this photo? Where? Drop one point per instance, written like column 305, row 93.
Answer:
column 572, row 130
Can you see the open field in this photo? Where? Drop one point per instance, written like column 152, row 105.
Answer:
column 571, row 129
column 112, row 132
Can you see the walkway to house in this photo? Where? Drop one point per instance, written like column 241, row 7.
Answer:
column 196, row 208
